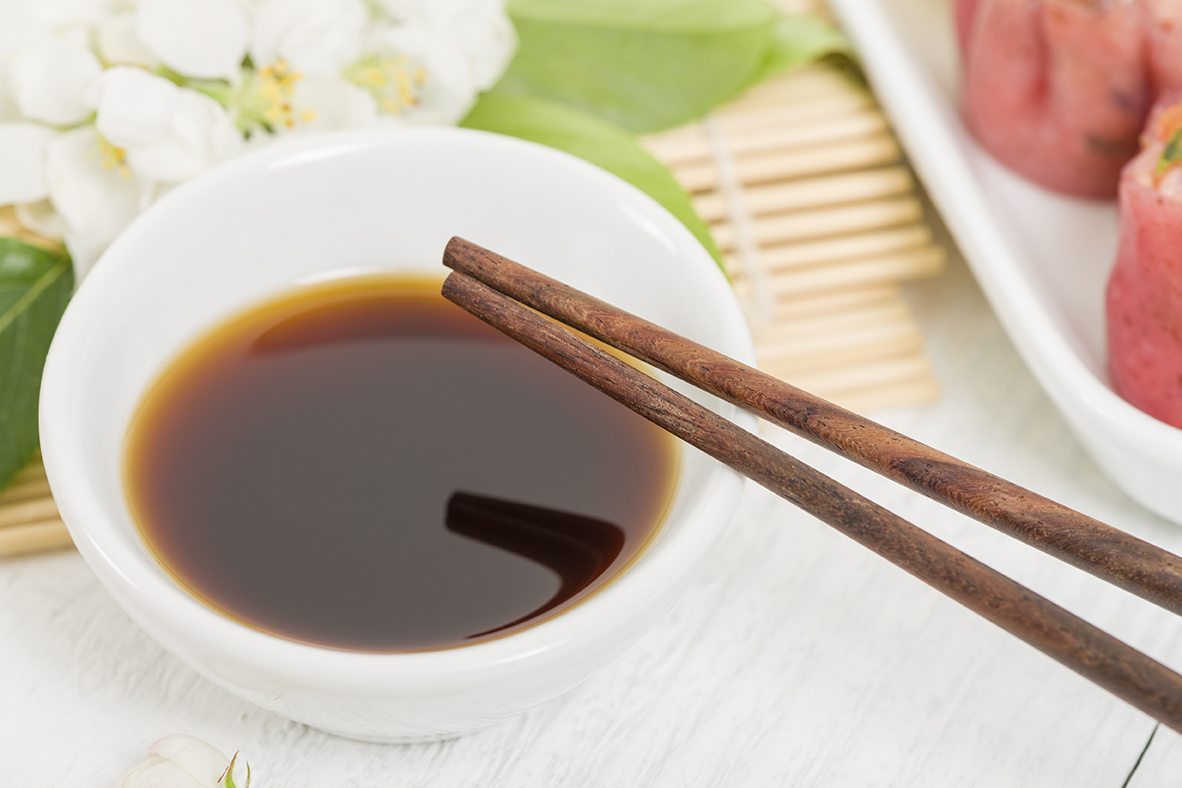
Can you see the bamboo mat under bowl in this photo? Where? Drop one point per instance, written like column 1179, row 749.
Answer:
column 819, row 221
column 29, row 521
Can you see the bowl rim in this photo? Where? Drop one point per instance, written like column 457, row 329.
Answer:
column 157, row 602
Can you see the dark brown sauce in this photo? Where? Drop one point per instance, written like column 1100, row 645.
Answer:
column 360, row 464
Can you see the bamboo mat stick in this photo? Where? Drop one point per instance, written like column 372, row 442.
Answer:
column 844, row 348
column 808, row 305
column 34, row 470
column 24, row 490
column 829, row 234
column 823, row 222
column 784, row 116
column 808, row 82
column 842, row 248
column 872, row 151
column 886, row 313
column 884, row 371
column 894, row 395
column 810, row 193
column 849, row 359
column 27, row 511
column 34, row 537
column 857, row 273
column 855, row 125
column 796, row 114
column 922, row 386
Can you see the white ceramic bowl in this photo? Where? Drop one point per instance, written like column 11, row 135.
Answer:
column 1041, row 258
column 318, row 208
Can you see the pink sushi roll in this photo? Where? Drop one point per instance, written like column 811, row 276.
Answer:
column 1057, row 90
column 1164, row 20
column 1145, row 289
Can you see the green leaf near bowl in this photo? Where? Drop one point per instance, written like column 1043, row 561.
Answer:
column 597, row 141
column 35, row 285
column 647, row 66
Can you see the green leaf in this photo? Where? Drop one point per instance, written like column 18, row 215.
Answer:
column 35, row 285
column 227, row 779
column 1170, row 155
column 799, row 39
column 645, row 65
column 595, row 140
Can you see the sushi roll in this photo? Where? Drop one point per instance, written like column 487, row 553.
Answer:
column 1164, row 20
column 1057, row 90
column 1144, row 300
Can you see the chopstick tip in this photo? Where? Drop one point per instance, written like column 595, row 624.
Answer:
column 457, row 248
column 455, row 286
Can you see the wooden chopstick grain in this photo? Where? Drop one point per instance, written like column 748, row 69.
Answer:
column 1127, row 673
column 1096, row 547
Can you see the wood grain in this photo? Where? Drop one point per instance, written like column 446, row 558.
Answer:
column 1096, row 547
column 1130, row 675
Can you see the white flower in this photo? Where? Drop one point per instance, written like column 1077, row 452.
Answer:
column 200, row 134
column 60, row 14
column 426, row 68
column 334, row 103
column 119, row 42
column 425, row 82
column 205, row 39
column 480, row 30
column 17, row 28
column 22, row 160
column 48, row 79
column 180, row 761
column 20, row 24
column 24, row 20
column 132, row 106
column 93, row 190
column 105, row 104
column 311, row 36
column 167, row 133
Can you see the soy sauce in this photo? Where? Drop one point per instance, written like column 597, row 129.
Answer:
column 362, row 465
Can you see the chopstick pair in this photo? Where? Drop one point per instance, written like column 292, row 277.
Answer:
column 505, row 294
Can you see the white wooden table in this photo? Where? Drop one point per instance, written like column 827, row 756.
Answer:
column 797, row 657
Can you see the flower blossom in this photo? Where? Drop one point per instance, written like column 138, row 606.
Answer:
column 179, row 761
column 106, row 104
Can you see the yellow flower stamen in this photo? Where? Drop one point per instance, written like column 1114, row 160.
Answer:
column 265, row 99
column 394, row 81
column 112, row 157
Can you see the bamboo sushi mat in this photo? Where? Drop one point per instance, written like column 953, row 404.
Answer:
column 819, row 222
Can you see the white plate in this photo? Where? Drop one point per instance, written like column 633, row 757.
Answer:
column 1041, row 258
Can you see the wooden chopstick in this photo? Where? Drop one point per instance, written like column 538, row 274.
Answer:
column 1127, row 673
column 1082, row 541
